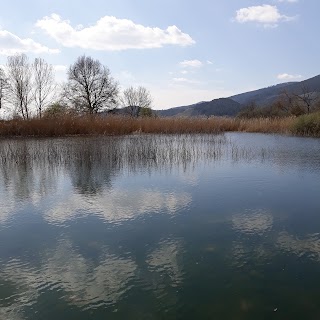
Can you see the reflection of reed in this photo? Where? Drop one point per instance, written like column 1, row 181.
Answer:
column 35, row 164
column 134, row 152
column 131, row 151
column 35, row 168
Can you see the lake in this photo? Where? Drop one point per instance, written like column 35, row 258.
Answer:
column 160, row 227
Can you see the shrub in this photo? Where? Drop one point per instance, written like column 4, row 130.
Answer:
column 307, row 125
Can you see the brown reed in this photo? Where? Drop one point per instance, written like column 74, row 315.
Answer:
column 120, row 125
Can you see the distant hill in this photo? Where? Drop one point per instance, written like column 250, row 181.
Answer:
column 217, row 107
column 266, row 96
column 232, row 105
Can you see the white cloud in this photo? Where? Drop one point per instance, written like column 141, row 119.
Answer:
column 191, row 63
column 290, row 1
column 112, row 34
column 266, row 14
column 184, row 72
column 286, row 76
column 209, row 62
column 11, row 44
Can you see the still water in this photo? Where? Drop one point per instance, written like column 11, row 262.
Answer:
column 160, row 227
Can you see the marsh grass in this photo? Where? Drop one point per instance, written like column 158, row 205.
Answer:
column 115, row 125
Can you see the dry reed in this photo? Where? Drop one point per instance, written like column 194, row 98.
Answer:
column 115, row 125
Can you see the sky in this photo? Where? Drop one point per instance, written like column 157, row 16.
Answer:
column 182, row 51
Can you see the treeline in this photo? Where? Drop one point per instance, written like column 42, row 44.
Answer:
column 287, row 104
column 28, row 90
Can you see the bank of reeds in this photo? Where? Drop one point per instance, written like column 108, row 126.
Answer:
column 115, row 125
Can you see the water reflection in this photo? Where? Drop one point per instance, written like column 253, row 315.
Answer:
column 253, row 221
column 309, row 246
column 155, row 226
column 117, row 206
column 80, row 281
column 167, row 260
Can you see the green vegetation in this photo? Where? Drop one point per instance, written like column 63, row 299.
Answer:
column 307, row 125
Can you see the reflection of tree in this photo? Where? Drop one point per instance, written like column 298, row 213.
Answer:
column 92, row 163
column 88, row 176
column 19, row 178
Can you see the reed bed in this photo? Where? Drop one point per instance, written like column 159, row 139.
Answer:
column 116, row 125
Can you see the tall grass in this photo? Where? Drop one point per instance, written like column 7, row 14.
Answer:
column 115, row 125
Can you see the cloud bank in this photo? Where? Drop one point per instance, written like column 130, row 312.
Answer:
column 112, row 34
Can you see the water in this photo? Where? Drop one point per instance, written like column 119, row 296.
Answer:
column 160, row 227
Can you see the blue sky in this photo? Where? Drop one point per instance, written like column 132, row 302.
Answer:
column 182, row 51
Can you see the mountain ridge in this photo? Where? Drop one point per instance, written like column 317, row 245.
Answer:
column 230, row 106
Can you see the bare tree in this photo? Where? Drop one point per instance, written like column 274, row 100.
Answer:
column 4, row 87
column 298, row 103
column 306, row 97
column 136, row 99
column 20, row 80
column 288, row 101
column 44, row 85
column 90, row 87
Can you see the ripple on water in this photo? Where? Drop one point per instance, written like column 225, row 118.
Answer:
column 252, row 221
column 78, row 280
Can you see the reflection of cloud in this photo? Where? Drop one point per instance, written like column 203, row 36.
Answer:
column 165, row 259
column 118, row 205
column 10, row 313
column 82, row 282
column 309, row 246
column 239, row 255
column 242, row 254
column 105, row 283
column 253, row 222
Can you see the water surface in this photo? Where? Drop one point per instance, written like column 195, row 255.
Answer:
column 160, row 227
